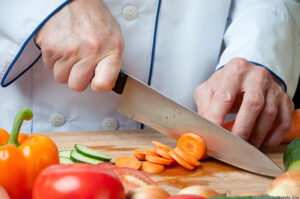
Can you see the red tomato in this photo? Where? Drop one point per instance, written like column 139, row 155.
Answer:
column 77, row 181
column 185, row 197
column 132, row 178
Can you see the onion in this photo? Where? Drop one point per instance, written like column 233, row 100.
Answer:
column 3, row 193
column 199, row 190
column 148, row 192
column 287, row 184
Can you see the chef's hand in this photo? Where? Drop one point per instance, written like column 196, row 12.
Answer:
column 263, row 108
column 83, row 44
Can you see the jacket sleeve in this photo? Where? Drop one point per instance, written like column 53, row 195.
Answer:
column 19, row 21
column 266, row 33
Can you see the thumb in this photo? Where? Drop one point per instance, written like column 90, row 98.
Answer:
column 106, row 73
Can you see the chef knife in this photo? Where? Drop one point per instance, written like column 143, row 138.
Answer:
column 144, row 104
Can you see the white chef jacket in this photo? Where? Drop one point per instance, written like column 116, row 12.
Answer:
column 172, row 45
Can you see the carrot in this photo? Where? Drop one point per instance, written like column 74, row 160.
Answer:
column 158, row 160
column 180, row 161
column 193, row 145
column 186, row 157
column 295, row 128
column 146, row 152
column 150, row 167
column 163, row 153
column 158, row 144
column 293, row 133
column 127, row 161
column 140, row 156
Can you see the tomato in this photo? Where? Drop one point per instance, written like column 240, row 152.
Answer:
column 132, row 178
column 185, row 197
column 78, row 181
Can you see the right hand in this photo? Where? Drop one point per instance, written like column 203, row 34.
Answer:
column 82, row 43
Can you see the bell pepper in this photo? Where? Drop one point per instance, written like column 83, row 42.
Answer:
column 21, row 163
column 75, row 181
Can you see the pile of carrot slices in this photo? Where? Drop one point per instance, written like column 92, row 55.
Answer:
column 190, row 149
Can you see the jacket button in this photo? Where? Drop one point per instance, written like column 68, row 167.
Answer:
column 130, row 13
column 58, row 120
column 110, row 124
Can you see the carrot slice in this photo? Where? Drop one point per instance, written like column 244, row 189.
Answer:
column 180, row 161
column 163, row 153
column 193, row 145
column 186, row 157
column 150, row 167
column 156, row 143
column 127, row 161
column 146, row 152
column 158, row 160
column 139, row 156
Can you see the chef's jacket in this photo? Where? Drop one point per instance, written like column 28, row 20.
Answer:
column 172, row 45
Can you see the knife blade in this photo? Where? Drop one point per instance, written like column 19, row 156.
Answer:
column 144, row 104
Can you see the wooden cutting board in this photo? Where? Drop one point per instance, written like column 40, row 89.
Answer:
column 214, row 174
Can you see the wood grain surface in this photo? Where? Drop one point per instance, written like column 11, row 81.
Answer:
column 214, row 174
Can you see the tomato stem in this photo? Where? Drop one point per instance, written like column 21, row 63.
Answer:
column 24, row 114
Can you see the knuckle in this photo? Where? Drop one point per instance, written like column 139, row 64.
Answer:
column 117, row 42
column 285, row 126
column 270, row 110
column 243, row 132
column 71, row 49
column 238, row 63
column 262, row 75
column 93, row 44
column 255, row 103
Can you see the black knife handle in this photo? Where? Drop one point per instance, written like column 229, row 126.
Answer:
column 120, row 83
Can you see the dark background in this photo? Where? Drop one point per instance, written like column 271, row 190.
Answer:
column 297, row 96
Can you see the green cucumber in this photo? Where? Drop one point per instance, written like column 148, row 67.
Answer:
column 294, row 166
column 91, row 153
column 64, row 160
column 292, row 154
column 77, row 157
column 65, row 153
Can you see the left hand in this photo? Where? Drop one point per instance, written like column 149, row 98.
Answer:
column 263, row 108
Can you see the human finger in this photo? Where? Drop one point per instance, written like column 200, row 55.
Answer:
column 62, row 69
column 81, row 75
column 282, row 123
column 252, row 104
column 106, row 73
column 266, row 118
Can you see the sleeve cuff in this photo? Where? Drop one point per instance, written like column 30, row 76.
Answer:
column 26, row 56
column 272, row 73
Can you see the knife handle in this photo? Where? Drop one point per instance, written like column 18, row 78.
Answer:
column 120, row 83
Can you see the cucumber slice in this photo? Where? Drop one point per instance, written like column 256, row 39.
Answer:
column 291, row 153
column 294, row 166
column 65, row 153
column 64, row 160
column 77, row 157
column 91, row 153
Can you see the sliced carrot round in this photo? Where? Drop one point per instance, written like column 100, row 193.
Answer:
column 145, row 151
column 163, row 153
column 156, row 143
column 140, row 156
column 158, row 160
column 180, row 161
column 193, row 145
column 189, row 159
column 127, row 161
column 150, row 167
